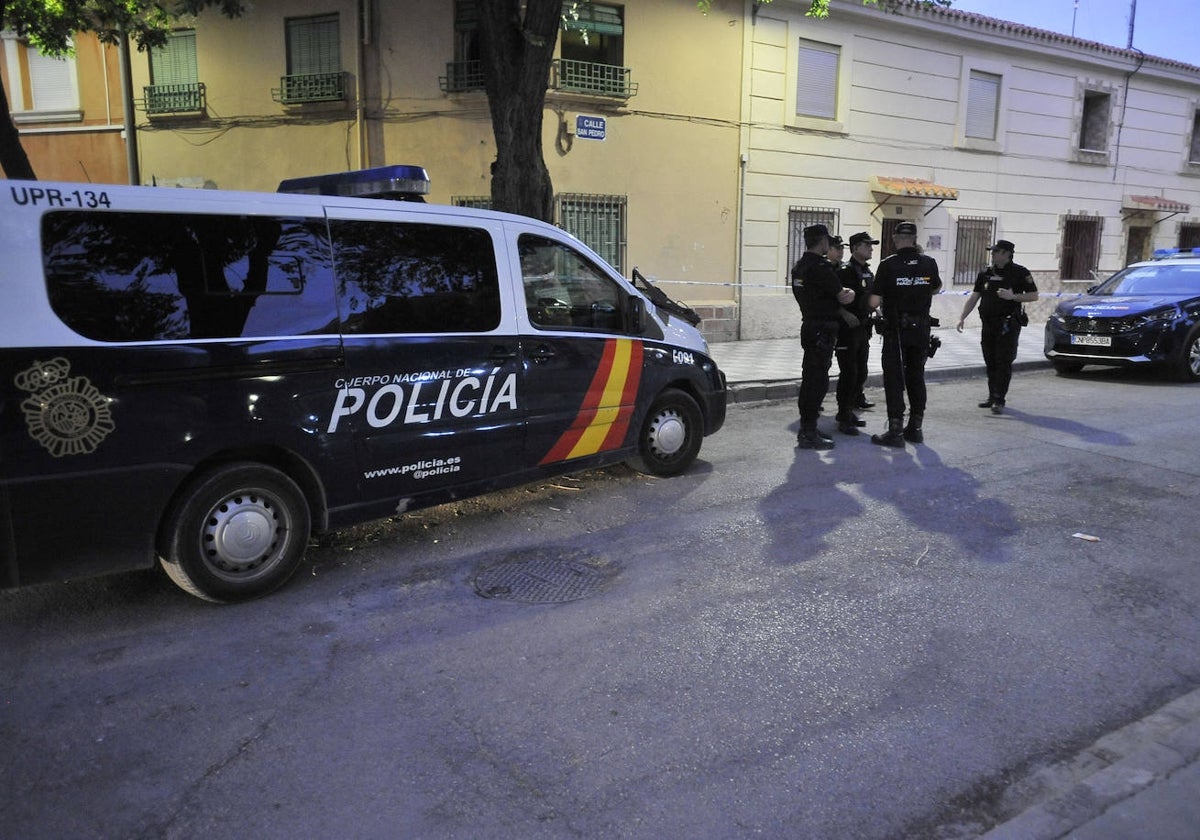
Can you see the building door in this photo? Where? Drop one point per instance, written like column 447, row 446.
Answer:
column 1137, row 244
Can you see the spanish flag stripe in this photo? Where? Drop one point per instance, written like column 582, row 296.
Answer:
column 593, row 437
column 587, row 412
column 618, row 430
column 603, row 418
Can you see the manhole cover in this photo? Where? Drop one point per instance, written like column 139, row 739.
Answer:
column 545, row 579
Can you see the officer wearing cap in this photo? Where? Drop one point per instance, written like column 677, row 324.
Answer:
column 903, row 289
column 1000, row 290
column 854, row 335
column 837, row 252
column 819, row 292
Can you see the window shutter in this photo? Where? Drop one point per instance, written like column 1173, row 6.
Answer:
column 52, row 82
column 313, row 45
column 175, row 64
column 983, row 100
column 816, row 80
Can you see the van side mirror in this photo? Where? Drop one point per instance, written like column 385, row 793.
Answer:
column 636, row 315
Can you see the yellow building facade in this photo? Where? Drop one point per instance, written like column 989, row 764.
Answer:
column 641, row 122
column 68, row 110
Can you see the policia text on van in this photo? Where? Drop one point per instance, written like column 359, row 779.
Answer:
column 207, row 377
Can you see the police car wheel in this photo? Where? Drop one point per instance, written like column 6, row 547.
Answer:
column 237, row 532
column 1188, row 369
column 670, row 436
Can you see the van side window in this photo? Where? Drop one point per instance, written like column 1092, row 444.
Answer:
column 115, row 276
column 564, row 290
column 401, row 277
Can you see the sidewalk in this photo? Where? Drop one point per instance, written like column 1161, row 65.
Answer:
column 769, row 369
column 1142, row 780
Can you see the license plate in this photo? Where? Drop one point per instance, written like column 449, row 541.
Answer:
column 1092, row 340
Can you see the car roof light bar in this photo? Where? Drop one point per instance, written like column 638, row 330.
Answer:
column 400, row 181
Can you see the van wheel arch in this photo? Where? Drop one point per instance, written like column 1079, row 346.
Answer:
column 235, row 530
column 669, row 438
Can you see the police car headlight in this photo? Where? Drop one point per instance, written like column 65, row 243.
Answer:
column 1157, row 317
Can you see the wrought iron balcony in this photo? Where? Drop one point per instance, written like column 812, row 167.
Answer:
column 310, row 87
column 174, row 99
column 462, row 76
column 596, row 79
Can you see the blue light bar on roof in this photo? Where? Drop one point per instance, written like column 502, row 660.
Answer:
column 1163, row 253
column 399, row 181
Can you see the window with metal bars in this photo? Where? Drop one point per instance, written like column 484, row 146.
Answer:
column 598, row 221
column 1080, row 247
column 175, row 85
column 314, row 60
column 478, row 202
column 798, row 219
column 972, row 236
column 1189, row 235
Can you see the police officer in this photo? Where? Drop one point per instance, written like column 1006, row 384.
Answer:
column 837, row 252
column 819, row 292
column 1000, row 290
column 854, row 335
column 904, row 288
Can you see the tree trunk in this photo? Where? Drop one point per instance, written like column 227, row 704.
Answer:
column 13, row 159
column 516, row 50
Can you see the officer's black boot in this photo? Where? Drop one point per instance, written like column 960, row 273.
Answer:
column 848, row 422
column 894, row 436
column 912, row 432
column 811, row 438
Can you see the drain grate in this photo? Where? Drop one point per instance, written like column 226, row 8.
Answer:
column 545, row 578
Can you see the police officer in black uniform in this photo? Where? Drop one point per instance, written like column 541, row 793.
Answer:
column 819, row 292
column 904, row 288
column 854, row 334
column 1000, row 290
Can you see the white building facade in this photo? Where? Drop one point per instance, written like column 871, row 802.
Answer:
column 1086, row 156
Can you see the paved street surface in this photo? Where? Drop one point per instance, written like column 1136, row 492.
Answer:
column 780, row 643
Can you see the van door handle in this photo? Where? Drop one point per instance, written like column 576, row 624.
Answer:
column 500, row 353
column 542, row 352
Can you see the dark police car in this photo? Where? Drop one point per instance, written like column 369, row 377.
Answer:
column 1147, row 313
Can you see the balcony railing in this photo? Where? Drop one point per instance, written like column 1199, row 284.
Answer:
column 462, row 76
column 175, row 99
column 566, row 75
column 597, row 79
column 310, row 87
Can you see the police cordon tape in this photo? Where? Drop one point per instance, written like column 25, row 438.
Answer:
column 960, row 293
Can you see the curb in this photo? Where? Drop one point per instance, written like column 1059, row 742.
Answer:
column 1053, row 801
column 788, row 389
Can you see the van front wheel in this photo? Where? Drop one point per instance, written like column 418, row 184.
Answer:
column 670, row 435
column 237, row 532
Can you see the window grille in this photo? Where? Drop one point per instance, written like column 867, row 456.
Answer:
column 983, row 101
column 1194, row 150
column 1189, row 235
column 972, row 236
column 798, row 219
column 478, row 202
column 1080, row 247
column 598, row 221
column 816, row 80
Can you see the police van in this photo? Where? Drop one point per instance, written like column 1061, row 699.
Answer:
column 208, row 377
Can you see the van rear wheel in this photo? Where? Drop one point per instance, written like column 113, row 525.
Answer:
column 670, row 435
column 237, row 532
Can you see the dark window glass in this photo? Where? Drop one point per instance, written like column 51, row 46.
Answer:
column 565, row 290
column 148, row 276
column 398, row 277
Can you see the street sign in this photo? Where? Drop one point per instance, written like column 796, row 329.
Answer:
column 590, row 128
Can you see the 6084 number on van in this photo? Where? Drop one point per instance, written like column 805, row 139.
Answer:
column 206, row 378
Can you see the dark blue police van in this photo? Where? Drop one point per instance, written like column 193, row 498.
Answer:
column 209, row 377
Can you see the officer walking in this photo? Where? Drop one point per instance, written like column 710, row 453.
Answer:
column 1000, row 290
column 904, row 288
column 854, row 335
column 819, row 292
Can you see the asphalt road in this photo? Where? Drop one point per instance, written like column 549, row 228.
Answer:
column 861, row 643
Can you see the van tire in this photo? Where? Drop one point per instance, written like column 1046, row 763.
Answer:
column 670, row 437
column 203, row 553
column 1187, row 367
